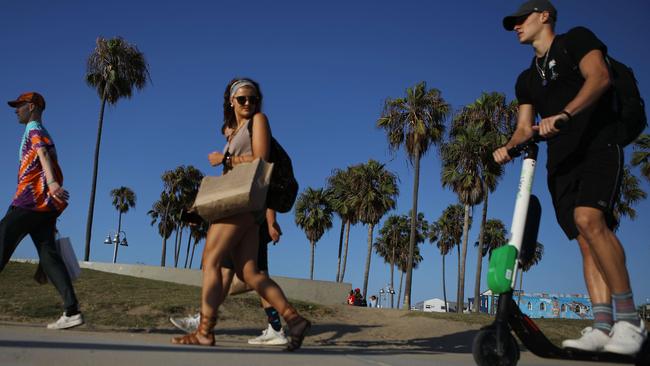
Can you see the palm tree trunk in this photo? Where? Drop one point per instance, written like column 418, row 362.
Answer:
column 187, row 252
column 444, row 285
column 366, row 273
column 392, row 275
column 311, row 262
column 414, row 218
column 117, row 242
column 399, row 293
column 345, row 254
column 479, row 261
column 93, row 188
column 192, row 256
column 180, row 244
column 176, row 248
column 163, row 258
column 461, row 275
column 338, row 264
column 458, row 276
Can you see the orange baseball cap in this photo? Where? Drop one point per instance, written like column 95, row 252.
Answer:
column 31, row 97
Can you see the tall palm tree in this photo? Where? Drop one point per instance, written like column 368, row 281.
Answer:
column 123, row 200
column 402, row 264
column 198, row 233
column 641, row 155
column 339, row 190
column 446, row 233
column 189, row 188
column 114, row 69
column 415, row 121
column 528, row 259
column 159, row 213
column 630, row 194
column 375, row 194
column 461, row 171
column 494, row 236
column 314, row 217
column 393, row 236
column 496, row 118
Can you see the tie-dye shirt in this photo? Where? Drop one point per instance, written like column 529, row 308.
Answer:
column 32, row 192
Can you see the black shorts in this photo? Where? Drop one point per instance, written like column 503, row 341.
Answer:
column 591, row 180
column 262, row 251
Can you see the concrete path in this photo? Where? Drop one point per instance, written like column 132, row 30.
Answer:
column 29, row 345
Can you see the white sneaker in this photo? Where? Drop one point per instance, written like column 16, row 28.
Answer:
column 626, row 338
column 270, row 337
column 65, row 322
column 188, row 324
column 591, row 340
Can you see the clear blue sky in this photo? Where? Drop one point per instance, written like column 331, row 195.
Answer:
column 325, row 69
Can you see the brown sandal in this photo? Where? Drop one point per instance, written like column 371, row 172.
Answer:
column 206, row 325
column 298, row 329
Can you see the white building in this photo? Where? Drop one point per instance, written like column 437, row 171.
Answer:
column 432, row 305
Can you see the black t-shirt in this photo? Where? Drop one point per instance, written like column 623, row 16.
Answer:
column 592, row 128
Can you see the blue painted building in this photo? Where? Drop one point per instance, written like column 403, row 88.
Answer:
column 543, row 305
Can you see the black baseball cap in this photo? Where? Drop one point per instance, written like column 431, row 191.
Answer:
column 531, row 6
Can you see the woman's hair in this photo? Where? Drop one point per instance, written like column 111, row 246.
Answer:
column 229, row 112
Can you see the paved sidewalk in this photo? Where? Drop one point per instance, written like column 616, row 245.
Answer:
column 29, row 345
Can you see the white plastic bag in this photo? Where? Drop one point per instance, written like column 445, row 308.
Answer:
column 69, row 258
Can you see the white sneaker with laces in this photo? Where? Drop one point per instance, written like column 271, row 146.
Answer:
column 188, row 324
column 626, row 338
column 270, row 337
column 592, row 340
column 65, row 322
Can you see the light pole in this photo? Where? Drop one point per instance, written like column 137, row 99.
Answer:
column 383, row 293
column 116, row 242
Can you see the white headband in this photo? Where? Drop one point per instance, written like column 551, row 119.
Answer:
column 240, row 84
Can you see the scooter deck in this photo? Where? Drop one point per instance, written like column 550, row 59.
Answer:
column 536, row 342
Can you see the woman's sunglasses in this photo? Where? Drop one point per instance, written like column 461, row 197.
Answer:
column 253, row 99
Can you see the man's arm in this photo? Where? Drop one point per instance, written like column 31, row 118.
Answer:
column 597, row 80
column 54, row 188
column 523, row 132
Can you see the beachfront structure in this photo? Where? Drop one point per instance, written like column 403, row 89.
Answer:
column 544, row 305
column 432, row 305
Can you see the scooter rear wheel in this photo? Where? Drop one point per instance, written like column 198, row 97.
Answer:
column 484, row 349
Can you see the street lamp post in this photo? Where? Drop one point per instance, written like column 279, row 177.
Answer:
column 384, row 293
column 116, row 242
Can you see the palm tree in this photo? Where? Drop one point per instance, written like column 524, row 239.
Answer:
column 494, row 236
column 630, row 193
column 402, row 264
column 461, row 158
column 188, row 190
column 447, row 232
column 314, row 217
column 159, row 213
column 496, row 119
column 393, row 236
column 114, row 69
column 339, row 191
column 641, row 155
column 123, row 199
column 528, row 259
column 415, row 121
column 198, row 233
column 375, row 194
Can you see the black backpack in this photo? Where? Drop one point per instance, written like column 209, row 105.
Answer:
column 283, row 187
column 627, row 104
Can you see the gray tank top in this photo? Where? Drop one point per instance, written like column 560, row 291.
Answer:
column 240, row 143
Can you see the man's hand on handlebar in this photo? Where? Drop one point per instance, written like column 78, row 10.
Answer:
column 501, row 155
column 547, row 127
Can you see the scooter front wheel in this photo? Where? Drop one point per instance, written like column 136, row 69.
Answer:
column 484, row 349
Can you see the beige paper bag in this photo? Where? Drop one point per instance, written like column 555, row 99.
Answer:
column 243, row 189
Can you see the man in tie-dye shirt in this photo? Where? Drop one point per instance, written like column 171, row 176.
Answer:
column 39, row 200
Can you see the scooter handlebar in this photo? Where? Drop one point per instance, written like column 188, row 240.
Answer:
column 516, row 151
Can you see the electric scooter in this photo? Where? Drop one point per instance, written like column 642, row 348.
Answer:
column 494, row 345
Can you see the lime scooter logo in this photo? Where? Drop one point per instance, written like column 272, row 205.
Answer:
column 501, row 268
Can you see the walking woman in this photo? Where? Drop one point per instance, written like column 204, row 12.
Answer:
column 238, row 235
